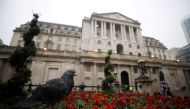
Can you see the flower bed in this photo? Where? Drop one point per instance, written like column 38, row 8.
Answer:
column 95, row 100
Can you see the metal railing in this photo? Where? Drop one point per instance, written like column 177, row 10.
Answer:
column 30, row 87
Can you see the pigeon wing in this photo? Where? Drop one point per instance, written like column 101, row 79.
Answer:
column 53, row 90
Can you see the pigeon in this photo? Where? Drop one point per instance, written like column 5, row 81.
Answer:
column 51, row 92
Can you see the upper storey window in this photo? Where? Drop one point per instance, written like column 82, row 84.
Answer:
column 20, row 43
column 49, row 44
column 62, row 27
column 138, row 47
column 70, row 28
column 109, row 43
column 76, row 29
column 44, row 25
column 67, row 40
column 130, row 46
column 99, row 41
column 52, row 31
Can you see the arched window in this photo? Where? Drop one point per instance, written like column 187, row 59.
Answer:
column 124, row 78
column 119, row 48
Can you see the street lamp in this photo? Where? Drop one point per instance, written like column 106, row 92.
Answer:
column 141, row 63
column 45, row 49
column 115, row 74
column 144, row 82
column 116, row 83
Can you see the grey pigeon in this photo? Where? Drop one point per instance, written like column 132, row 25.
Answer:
column 53, row 91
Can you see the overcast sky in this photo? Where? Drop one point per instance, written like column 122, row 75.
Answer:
column 160, row 19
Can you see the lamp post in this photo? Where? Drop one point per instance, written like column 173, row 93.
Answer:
column 115, row 74
column 141, row 63
column 144, row 81
column 116, row 83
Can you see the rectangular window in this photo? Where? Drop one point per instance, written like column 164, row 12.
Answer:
column 74, row 48
column 109, row 43
column 59, row 38
column 67, row 47
column 88, row 67
column 100, row 68
column 21, row 36
column 67, row 40
column 37, row 44
column 130, row 45
column 154, row 71
column 135, row 69
column 58, row 46
column 53, row 73
column 75, row 41
column 21, row 43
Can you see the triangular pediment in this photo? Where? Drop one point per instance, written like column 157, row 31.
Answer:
column 116, row 16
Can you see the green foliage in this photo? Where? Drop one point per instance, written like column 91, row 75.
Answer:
column 106, row 83
column 108, row 92
column 12, row 91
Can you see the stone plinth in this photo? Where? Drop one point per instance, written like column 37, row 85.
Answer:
column 145, row 84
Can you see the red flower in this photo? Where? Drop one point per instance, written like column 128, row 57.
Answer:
column 95, row 107
column 121, row 102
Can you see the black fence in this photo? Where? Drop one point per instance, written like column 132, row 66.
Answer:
column 30, row 87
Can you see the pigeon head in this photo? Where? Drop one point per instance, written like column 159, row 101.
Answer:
column 69, row 74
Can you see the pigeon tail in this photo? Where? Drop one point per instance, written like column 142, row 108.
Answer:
column 25, row 104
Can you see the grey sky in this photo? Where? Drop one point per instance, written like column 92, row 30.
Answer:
column 160, row 19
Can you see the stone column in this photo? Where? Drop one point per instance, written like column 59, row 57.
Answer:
column 127, row 34
column 105, row 32
column 132, row 82
column 92, row 27
column 150, row 71
column 118, row 77
column 1, row 63
column 111, row 30
column 136, row 34
column 102, row 28
column 95, row 28
column 114, row 31
column 124, row 32
column 140, row 36
column 81, row 72
column 131, row 33
column 122, row 36
column 94, row 76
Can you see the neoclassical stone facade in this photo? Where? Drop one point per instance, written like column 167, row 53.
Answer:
column 84, row 49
